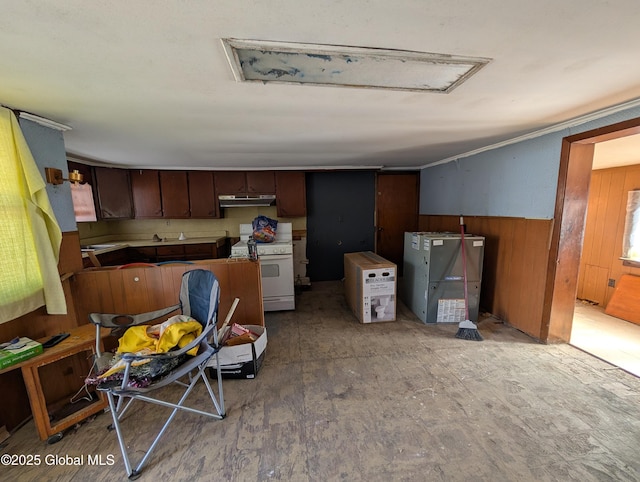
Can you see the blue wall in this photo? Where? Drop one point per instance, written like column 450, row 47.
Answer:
column 518, row 180
column 47, row 148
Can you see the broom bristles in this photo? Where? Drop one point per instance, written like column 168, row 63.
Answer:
column 469, row 334
column 467, row 330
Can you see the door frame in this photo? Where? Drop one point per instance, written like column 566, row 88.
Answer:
column 566, row 237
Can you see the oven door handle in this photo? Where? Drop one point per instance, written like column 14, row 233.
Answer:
column 274, row 257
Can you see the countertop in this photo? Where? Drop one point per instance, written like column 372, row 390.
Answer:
column 108, row 246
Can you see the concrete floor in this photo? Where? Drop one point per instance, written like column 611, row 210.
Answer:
column 395, row 401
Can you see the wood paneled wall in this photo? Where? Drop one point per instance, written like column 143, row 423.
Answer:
column 515, row 265
column 604, row 230
column 142, row 289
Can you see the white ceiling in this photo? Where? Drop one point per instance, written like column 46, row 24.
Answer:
column 145, row 83
column 624, row 151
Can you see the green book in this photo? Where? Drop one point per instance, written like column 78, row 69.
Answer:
column 23, row 349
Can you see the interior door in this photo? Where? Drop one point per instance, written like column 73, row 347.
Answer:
column 396, row 212
column 340, row 219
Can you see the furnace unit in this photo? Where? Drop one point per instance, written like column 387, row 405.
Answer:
column 433, row 284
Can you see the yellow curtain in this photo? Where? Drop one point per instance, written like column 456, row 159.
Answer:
column 29, row 233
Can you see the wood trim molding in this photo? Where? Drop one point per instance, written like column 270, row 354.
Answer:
column 576, row 161
column 566, row 241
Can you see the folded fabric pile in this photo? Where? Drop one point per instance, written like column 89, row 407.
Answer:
column 177, row 332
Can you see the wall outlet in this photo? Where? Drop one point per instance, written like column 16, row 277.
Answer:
column 611, row 283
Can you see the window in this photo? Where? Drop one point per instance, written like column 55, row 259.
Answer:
column 29, row 234
column 21, row 280
column 631, row 239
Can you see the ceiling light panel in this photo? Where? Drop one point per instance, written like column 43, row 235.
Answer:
column 296, row 63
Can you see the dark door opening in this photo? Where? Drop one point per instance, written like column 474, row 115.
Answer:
column 340, row 219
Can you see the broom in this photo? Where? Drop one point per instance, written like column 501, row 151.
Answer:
column 467, row 330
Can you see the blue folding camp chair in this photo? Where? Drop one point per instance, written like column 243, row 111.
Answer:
column 199, row 299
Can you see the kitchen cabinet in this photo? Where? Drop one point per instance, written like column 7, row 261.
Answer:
column 145, row 187
column 203, row 198
column 261, row 182
column 111, row 258
column 113, row 193
column 167, row 253
column 177, row 252
column 174, row 192
column 291, row 197
column 230, row 182
column 245, row 183
column 142, row 254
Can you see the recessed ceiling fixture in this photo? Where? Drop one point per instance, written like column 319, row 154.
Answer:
column 297, row 63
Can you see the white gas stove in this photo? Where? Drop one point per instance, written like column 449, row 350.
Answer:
column 276, row 266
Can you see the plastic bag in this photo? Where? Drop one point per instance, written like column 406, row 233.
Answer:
column 264, row 229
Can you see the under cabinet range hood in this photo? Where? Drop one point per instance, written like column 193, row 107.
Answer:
column 239, row 200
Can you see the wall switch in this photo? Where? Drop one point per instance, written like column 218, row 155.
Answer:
column 611, row 283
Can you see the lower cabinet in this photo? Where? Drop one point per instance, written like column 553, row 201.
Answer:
column 159, row 254
column 177, row 252
column 141, row 255
column 112, row 258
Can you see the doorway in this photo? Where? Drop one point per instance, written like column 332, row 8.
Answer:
column 576, row 164
column 616, row 170
column 340, row 219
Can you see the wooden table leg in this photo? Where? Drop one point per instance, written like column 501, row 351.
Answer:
column 39, row 403
column 37, row 400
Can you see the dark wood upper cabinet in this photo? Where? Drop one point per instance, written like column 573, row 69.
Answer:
column 145, row 186
column 291, row 197
column 174, row 190
column 203, row 198
column 244, row 183
column 230, row 182
column 113, row 193
column 261, row 182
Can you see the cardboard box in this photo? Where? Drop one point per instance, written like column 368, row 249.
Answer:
column 370, row 286
column 241, row 361
column 29, row 349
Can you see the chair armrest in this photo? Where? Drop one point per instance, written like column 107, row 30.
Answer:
column 115, row 320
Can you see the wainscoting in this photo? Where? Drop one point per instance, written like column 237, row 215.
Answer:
column 515, row 265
